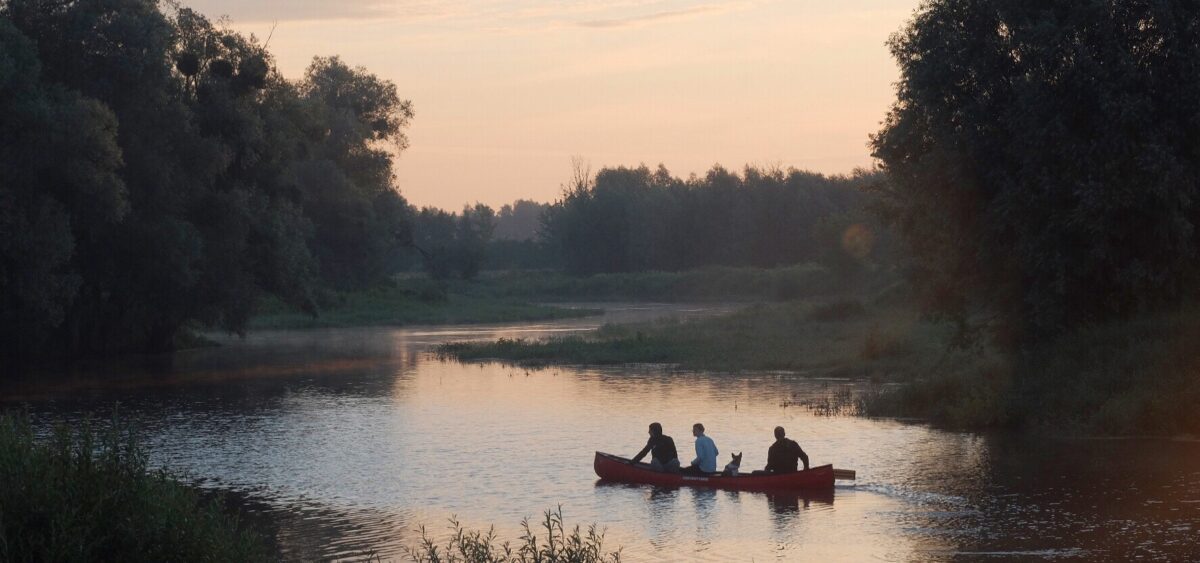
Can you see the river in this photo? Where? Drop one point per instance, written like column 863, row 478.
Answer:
column 344, row 441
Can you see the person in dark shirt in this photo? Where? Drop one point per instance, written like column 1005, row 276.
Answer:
column 782, row 456
column 664, row 458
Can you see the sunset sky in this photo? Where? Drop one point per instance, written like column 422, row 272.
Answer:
column 507, row 91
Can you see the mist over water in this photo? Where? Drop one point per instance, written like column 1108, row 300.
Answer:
column 346, row 440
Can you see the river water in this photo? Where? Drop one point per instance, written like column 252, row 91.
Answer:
column 344, row 441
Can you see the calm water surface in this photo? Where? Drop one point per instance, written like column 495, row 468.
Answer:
column 346, row 440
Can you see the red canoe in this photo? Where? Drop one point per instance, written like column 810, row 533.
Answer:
column 615, row 468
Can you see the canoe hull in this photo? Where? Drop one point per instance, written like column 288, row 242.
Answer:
column 615, row 468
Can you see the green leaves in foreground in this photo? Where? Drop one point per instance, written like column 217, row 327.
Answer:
column 87, row 495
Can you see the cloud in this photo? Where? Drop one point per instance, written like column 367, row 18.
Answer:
column 301, row 10
column 654, row 17
column 501, row 14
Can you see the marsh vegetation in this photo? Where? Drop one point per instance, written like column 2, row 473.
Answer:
column 86, row 493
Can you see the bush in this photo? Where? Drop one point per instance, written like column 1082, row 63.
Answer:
column 473, row 546
column 85, row 495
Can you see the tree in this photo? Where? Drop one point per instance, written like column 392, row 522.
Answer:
column 451, row 243
column 1043, row 158
column 474, row 232
column 434, row 231
column 60, row 158
column 348, row 189
column 519, row 221
column 159, row 174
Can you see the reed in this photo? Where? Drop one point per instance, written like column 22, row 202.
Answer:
column 86, row 494
column 552, row 544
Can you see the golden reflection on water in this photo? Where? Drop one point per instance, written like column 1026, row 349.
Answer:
column 348, row 439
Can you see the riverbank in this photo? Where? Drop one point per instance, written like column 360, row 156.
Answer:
column 1130, row 378
column 410, row 302
column 835, row 339
column 522, row 295
column 87, row 494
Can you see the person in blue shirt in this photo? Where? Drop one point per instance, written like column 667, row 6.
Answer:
column 706, row 452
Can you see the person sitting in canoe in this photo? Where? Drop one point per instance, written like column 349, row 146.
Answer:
column 706, row 452
column 664, row 458
column 782, row 456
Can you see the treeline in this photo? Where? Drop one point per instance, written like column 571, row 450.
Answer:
column 520, row 220
column 453, row 244
column 1045, row 161
column 634, row 220
column 460, row 245
column 159, row 173
column 638, row 219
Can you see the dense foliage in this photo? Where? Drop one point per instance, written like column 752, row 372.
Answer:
column 158, row 172
column 636, row 219
column 86, row 495
column 453, row 244
column 1044, row 158
column 517, row 242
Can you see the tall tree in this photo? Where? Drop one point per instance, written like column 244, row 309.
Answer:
column 347, row 183
column 59, row 157
column 1044, row 157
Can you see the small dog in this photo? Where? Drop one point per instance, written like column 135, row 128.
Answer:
column 731, row 469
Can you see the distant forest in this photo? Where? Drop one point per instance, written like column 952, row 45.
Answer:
column 635, row 219
column 160, row 175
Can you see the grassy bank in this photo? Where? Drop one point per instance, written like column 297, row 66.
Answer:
column 409, row 302
column 701, row 285
column 838, row 338
column 1127, row 378
column 511, row 295
column 86, row 495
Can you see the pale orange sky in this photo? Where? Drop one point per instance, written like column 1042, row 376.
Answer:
column 507, row 91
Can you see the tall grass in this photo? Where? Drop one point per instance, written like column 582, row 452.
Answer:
column 87, row 495
column 555, row 546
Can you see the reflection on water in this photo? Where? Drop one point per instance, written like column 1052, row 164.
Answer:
column 346, row 440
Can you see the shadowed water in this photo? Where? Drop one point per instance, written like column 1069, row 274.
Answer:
column 346, row 440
